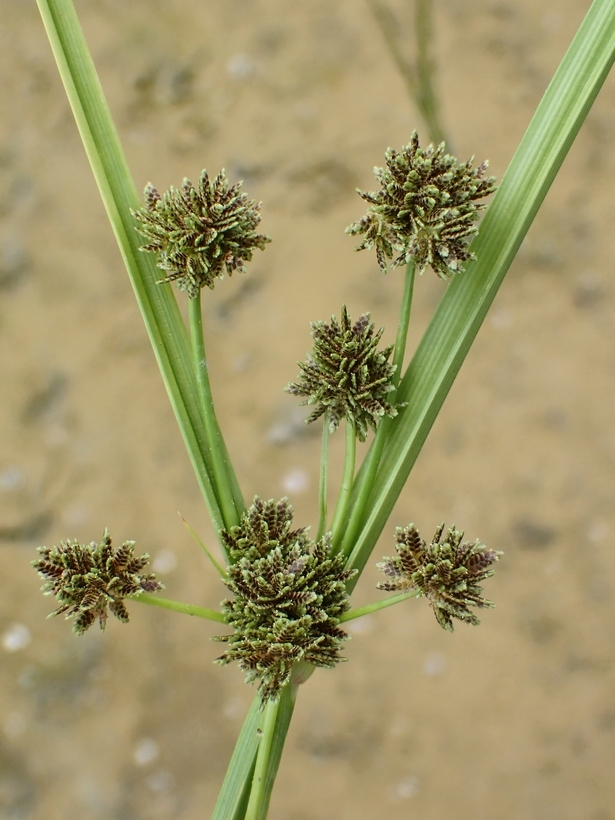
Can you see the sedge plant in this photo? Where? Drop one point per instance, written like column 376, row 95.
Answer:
column 288, row 592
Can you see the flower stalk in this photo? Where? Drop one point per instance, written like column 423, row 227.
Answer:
column 227, row 488
column 376, row 606
column 322, row 484
column 365, row 479
column 259, row 794
column 178, row 606
column 341, row 509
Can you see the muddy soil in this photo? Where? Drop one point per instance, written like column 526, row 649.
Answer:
column 513, row 720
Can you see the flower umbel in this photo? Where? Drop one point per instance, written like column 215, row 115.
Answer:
column 346, row 374
column 88, row 578
column 289, row 594
column 425, row 210
column 447, row 572
column 200, row 233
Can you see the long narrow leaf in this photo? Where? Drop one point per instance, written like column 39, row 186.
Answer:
column 157, row 303
column 463, row 308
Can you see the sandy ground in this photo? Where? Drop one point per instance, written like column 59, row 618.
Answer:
column 513, row 720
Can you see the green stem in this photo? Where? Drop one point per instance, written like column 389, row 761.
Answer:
column 322, row 489
column 272, row 743
column 367, row 475
column 234, row 795
column 259, row 799
column 426, row 99
column 389, row 26
column 404, row 323
column 177, row 606
column 220, row 464
column 419, row 84
column 346, row 487
column 369, row 608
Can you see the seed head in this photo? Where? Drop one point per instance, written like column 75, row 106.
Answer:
column 289, row 593
column 425, row 210
column 200, row 233
column 346, row 374
column 88, row 578
column 447, row 572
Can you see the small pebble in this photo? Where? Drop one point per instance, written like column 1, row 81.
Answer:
column 16, row 637
column 145, row 751
column 234, row 708
column 405, row 789
column 360, row 626
column 597, row 531
column 164, row 561
column 240, row 67
column 161, row 781
column 11, row 479
column 296, row 481
column 435, row 664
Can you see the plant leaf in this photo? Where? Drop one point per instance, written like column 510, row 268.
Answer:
column 464, row 306
column 158, row 306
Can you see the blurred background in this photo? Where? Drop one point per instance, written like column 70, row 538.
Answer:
column 513, row 719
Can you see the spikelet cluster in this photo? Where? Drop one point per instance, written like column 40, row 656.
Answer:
column 200, row 233
column 446, row 571
column 346, row 374
column 288, row 595
column 425, row 210
column 89, row 579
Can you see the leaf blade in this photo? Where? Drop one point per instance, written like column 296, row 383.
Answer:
column 464, row 306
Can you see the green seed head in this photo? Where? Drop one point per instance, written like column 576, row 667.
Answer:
column 89, row 578
column 200, row 233
column 288, row 595
column 346, row 374
column 425, row 209
column 447, row 572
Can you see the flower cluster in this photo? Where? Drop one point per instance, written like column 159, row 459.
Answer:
column 200, row 233
column 289, row 593
column 425, row 210
column 88, row 578
column 447, row 572
column 346, row 374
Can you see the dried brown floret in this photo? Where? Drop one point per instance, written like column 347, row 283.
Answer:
column 425, row 210
column 200, row 233
column 346, row 374
column 289, row 594
column 447, row 572
column 88, row 578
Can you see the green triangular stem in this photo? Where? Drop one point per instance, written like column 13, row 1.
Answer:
column 340, row 514
column 377, row 605
column 177, row 606
column 322, row 484
column 364, row 482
